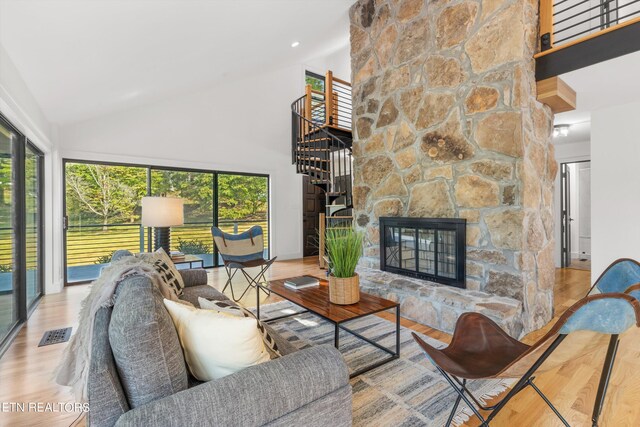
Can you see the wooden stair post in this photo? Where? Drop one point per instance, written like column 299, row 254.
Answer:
column 307, row 108
column 546, row 24
column 328, row 98
column 321, row 241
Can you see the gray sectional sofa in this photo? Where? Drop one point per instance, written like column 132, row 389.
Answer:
column 138, row 376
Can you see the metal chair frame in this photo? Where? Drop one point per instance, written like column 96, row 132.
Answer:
column 233, row 267
column 575, row 318
column 460, row 387
column 232, row 264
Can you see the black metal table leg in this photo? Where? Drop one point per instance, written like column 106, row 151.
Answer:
column 398, row 331
column 258, row 306
column 336, row 336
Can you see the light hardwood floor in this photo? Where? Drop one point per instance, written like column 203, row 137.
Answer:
column 25, row 370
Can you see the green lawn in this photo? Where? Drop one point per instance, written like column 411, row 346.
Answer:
column 87, row 245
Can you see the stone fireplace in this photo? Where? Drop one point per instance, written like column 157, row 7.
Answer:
column 447, row 125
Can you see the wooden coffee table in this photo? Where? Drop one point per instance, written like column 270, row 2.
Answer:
column 316, row 300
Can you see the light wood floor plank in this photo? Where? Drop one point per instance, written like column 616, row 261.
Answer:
column 26, row 370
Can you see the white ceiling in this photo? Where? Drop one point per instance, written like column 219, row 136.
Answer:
column 608, row 83
column 84, row 58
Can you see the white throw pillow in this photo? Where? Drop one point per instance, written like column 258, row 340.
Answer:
column 216, row 345
column 236, row 310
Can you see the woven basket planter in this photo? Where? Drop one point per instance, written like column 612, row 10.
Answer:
column 344, row 291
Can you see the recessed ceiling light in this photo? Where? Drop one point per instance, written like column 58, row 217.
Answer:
column 295, row 44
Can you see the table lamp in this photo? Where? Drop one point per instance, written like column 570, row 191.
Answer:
column 162, row 213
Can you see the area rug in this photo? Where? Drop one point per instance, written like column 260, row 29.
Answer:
column 405, row 392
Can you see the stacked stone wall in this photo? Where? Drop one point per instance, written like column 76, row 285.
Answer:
column 447, row 125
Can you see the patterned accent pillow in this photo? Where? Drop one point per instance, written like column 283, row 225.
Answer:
column 166, row 268
column 235, row 310
column 168, row 276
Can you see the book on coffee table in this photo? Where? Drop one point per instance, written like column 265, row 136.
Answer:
column 301, row 282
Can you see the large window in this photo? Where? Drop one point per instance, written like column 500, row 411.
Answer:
column 33, row 181
column 103, row 211
column 197, row 191
column 20, row 229
column 243, row 201
column 8, row 264
column 102, row 215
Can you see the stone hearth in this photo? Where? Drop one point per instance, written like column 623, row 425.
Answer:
column 439, row 306
column 447, row 125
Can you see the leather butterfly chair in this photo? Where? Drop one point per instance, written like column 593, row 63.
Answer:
column 242, row 251
column 622, row 275
column 480, row 349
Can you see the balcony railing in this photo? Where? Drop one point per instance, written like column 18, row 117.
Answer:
column 94, row 243
column 331, row 107
column 90, row 246
column 6, row 248
column 567, row 22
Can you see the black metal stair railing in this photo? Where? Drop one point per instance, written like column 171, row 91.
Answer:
column 572, row 20
column 323, row 156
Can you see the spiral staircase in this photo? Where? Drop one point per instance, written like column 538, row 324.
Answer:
column 321, row 140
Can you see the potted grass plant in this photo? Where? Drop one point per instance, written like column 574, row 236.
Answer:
column 344, row 249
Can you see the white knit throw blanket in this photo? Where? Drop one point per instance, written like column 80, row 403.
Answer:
column 73, row 371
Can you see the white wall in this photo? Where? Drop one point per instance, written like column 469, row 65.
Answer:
column 615, row 185
column 565, row 153
column 243, row 125
column 19, row 106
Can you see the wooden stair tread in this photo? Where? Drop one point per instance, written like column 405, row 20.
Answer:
column 313, row 168
column 302, row 149
column 304, row 141
column 313, row 159
column 339, row 217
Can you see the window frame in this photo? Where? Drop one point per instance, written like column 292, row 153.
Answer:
column 150, row 168
column 18, row 257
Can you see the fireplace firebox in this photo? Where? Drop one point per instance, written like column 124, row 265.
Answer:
column 426, row 248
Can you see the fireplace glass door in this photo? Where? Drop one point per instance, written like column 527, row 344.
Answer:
column 427, row 251
column 432, row 249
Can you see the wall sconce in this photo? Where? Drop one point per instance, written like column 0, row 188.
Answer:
column 561, row 130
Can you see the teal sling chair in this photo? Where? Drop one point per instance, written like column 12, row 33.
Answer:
column 622, row 275
column 480, row 349
column 240, row 252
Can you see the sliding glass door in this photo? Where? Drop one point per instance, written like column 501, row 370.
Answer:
column 8, row 231
column 243, row 202
column 20, row 229
column 102, row 204
column 33, row 180
column 197, row 190
column 102, row 215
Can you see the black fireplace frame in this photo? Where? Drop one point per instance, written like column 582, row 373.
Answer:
column 459, row 225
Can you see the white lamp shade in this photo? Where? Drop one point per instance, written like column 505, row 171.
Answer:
column 162, row 211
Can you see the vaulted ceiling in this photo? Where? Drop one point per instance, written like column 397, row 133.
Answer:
column 84, row 58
